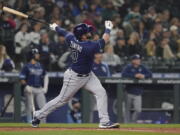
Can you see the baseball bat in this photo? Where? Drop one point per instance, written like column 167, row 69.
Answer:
column 18, row 13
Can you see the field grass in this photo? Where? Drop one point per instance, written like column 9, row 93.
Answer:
column 75, row 129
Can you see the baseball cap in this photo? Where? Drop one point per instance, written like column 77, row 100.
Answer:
column 136, row 56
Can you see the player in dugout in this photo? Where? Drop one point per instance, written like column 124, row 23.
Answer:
column 134, row 70
column 80, row 74
column 34, row 78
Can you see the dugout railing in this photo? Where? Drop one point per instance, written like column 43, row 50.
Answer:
column 159, row 79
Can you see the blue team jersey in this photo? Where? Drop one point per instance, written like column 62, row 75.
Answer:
column 33, row 74
column 82, row 53
column 129, row 72
column 101, row 69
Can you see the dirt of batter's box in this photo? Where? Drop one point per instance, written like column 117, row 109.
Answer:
column 152, row 130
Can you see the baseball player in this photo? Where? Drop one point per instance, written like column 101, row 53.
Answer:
column 35, row 79
column 134, row 92
column 79, row 74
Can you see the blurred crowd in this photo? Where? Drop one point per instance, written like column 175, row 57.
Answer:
column 149, row 28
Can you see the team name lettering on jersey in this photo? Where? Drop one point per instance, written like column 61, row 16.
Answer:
column 36, row 71
column 75, row 46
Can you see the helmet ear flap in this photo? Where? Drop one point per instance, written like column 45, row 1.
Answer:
column 82, row 29
column 90, row 28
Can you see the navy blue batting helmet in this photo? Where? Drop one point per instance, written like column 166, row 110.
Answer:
column 81, row 29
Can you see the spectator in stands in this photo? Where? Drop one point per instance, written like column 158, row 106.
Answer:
column 74, row 114
column 6, row 64
column 79, row 7
column 48, row 6
column 150, row 48
column 7, row 30
column 131, row 21
column 88, row 20
column 120, row 34
column 152, row 14
column 135, row 11
column 134, row 46
column 150, row 17
column 34, row 36
column 111, row 59
column 131, row 26
column 174, row 39
column 56, row 14
column 150, row 23
column 58, row 50
column 39, row 13
column 109, row 11
column 60, row 47
column 164, row 51
column 114, row 32
column 134, row 91
column 156, row 33
column 45, row 49
column 100, row 68
column 121, row 48
column 32, row 4
column 143, row 33
column 22, row 40
column 165, row 18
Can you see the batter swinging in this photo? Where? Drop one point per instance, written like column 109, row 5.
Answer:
column 79, row 74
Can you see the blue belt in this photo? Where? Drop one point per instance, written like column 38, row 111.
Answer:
column 35, row 86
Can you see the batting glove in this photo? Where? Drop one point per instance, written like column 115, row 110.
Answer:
column 108, row 25
column 53, row 26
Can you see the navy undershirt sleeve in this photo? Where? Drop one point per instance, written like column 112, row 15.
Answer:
column 61, row 31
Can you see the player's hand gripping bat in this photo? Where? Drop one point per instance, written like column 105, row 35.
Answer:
column 18, row 13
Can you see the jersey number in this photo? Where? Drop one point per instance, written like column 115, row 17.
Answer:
column 74, row 56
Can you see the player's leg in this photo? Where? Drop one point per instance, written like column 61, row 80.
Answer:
column 29, row 103
column 41, row 101
column 128, row 104
column 71, row 84
column 137, row 103
column 94, row 86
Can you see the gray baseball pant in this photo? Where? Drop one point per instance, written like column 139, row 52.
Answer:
column 33, row 95
column 71, row 84
column 134, row 101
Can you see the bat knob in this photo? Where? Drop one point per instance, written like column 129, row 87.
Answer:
column 30, row 17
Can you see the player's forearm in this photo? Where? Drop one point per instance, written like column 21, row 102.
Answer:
column 106, row 36
column 61, row 31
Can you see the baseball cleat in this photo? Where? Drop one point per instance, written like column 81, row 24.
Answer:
column 109, row 125
column 35, row 122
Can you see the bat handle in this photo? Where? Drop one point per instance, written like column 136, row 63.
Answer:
column 37, row 20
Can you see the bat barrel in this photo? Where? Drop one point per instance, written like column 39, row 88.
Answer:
column 15, row 12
